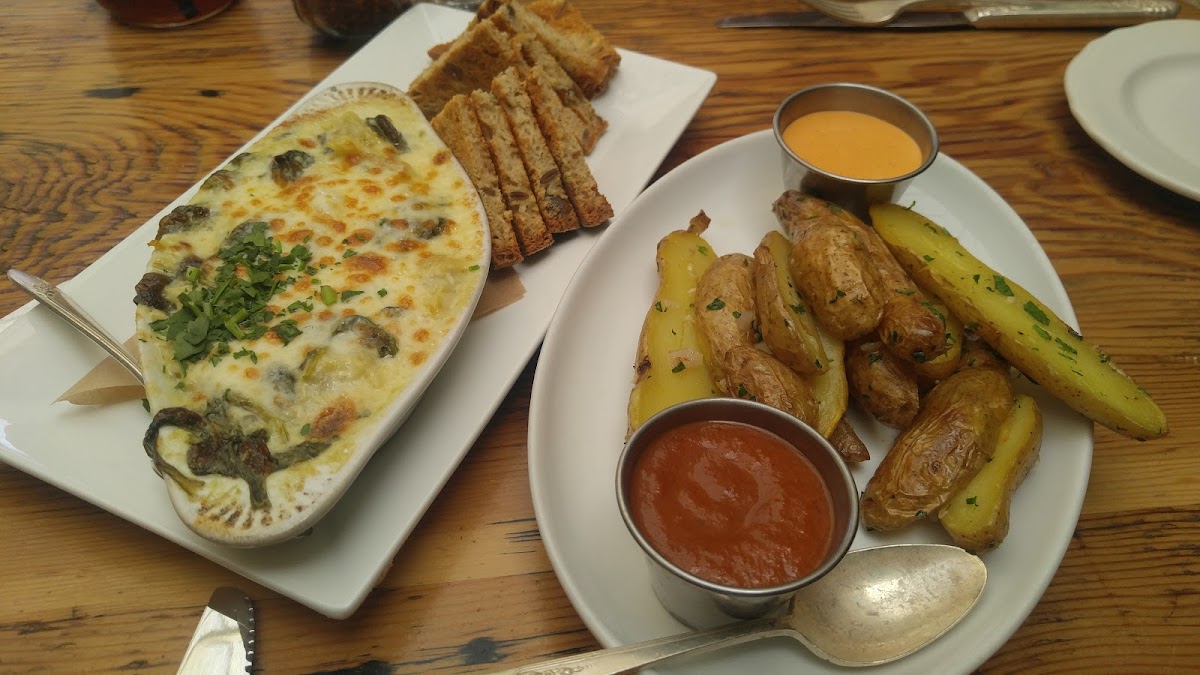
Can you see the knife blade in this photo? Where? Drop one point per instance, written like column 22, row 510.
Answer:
column 224, row 641
column 1009, row 15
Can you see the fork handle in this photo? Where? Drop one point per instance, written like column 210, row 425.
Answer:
column 1071, row 13
column 60, row 304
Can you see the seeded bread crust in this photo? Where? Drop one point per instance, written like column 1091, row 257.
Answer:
column 458, row 127
column 583, row 121
column 532, row 233
column 591, row 206
column 470, row 63
column 543, row 171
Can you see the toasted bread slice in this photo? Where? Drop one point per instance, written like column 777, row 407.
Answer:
column 470, row 63
column 583, row 51
column 530, row 227
column 584, row 121
column 543, row 171
column 590, row 205
column 459, row 129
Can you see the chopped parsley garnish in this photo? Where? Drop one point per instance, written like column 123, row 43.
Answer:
column 1065, row 347
column 905, row 291
column 1002, row 286
column 658, row 306
column 381, row 292
column 1041, row 332
column 350, row 253
column 798, row 308
column 972, row 501
column 328, row 295
column 473, row 268
column 305, row 429
column 346, row 295
column 927, row 258
column 232, row 305
column 1036, row 312
column 715, row 305
column 678, row 367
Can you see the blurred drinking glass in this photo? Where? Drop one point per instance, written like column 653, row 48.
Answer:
column 163, row 13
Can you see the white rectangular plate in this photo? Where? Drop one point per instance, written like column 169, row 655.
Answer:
column 96, row 454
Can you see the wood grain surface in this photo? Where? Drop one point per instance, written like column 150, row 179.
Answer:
column 102, row 124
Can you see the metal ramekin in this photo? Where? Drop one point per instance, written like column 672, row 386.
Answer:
column 854, row 194
column 699, row 603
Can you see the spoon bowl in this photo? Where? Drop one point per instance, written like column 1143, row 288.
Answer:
column 878, row 605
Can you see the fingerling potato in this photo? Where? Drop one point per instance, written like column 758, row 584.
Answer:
column 977, row 517
column 847, row 443
column 830, row 388
column 931, row 371
column 670, row 367
column 880, row 384
column 757, row 376
column 725, row 310
column 785, row 322
column 945, row 447
column 1022, row 328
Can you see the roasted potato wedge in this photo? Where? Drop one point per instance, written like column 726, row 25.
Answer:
column 786, row 324
column 1018, row 325
column 832, row 269
column 946, row 445
column 847, row 443
column 931, row 371
column 670, row 367
column 832, row 393
column 880, row 384
column 757, row 376
column 830, row 388
column 977, row 516
column 725, row 310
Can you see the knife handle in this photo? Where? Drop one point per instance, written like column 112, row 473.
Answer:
column 1071, row 13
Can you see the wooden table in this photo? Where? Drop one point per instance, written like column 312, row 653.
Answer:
column 101, row 124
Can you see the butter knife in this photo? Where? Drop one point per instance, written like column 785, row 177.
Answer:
column 1071, row 14
column 224, row 641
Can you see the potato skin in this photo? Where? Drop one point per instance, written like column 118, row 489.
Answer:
column 785, row 322
column 757, row 376
column 831, row 268
column 844, row 439
column 931, row 371
column 880, row 384
column 669, row 367
column 1022, row 329
column 977, row 516
column 947, row 444
column 725, row 310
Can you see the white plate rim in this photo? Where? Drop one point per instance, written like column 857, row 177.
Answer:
column 1095, row 82
column 961, row 650
column 329, row 571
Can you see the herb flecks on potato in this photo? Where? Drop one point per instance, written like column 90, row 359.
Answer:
column 977, row 517
column 1018, row 325
column 670, row 367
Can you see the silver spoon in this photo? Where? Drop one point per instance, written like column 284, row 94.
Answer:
column 878, row 605
column 58, row 302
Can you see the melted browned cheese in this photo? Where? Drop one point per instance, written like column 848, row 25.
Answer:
column 293, row 300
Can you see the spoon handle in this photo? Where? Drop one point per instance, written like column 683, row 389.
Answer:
column 629, row 657
column 60, row 304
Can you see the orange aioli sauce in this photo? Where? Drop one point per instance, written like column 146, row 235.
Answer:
column 732, row 504
column 853, row 145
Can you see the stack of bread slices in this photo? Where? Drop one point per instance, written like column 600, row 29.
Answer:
column 510, row 97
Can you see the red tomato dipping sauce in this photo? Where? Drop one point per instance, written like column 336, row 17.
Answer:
column 732, row 504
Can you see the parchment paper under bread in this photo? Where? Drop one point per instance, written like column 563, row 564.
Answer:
column 109, row 383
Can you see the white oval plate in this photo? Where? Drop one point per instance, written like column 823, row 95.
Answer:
column 1136, row 92
column 577, row 413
